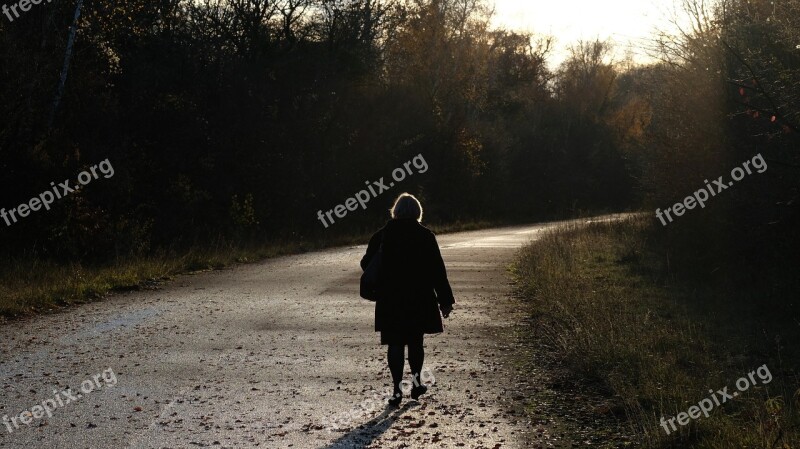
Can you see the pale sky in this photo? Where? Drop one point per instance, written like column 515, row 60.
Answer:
column 627, row 22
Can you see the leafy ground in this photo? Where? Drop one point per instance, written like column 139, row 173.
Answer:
column 626, row 342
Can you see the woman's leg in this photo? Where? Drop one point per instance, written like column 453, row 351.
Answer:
column 416, row 358
column 396, row 358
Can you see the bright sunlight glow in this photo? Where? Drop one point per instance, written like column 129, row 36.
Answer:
column 628, row 23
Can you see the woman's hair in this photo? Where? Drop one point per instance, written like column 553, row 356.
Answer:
column 406, row 206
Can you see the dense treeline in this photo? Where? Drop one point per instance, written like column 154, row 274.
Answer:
column 728, row 89
column 239, row 119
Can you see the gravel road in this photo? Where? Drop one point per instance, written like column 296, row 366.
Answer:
column 275, row 354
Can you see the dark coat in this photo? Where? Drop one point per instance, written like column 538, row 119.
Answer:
column 413, row 279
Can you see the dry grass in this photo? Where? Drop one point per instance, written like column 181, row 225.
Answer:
column 29, row 286
column 602, row 300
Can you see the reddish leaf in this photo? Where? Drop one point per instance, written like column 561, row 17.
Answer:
column 741, row 91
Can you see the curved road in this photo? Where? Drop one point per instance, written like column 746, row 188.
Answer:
column 274, row 354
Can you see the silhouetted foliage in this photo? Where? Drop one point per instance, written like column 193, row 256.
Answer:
column 239, row 119
column 728, row 89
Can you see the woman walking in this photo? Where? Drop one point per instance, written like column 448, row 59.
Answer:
column 413, row 288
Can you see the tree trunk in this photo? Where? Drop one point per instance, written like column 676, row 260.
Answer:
column 65, row 70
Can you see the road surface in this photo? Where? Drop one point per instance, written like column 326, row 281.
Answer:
column 275, row 354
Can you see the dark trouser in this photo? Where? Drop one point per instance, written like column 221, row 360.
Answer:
column 416, row 357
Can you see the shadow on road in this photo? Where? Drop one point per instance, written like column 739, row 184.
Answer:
column 364, row 434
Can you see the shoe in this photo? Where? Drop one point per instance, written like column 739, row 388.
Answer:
column 418, row 391
column 395, row 400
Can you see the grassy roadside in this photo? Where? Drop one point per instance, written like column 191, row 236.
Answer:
column 30, row 286
column 603, row 300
